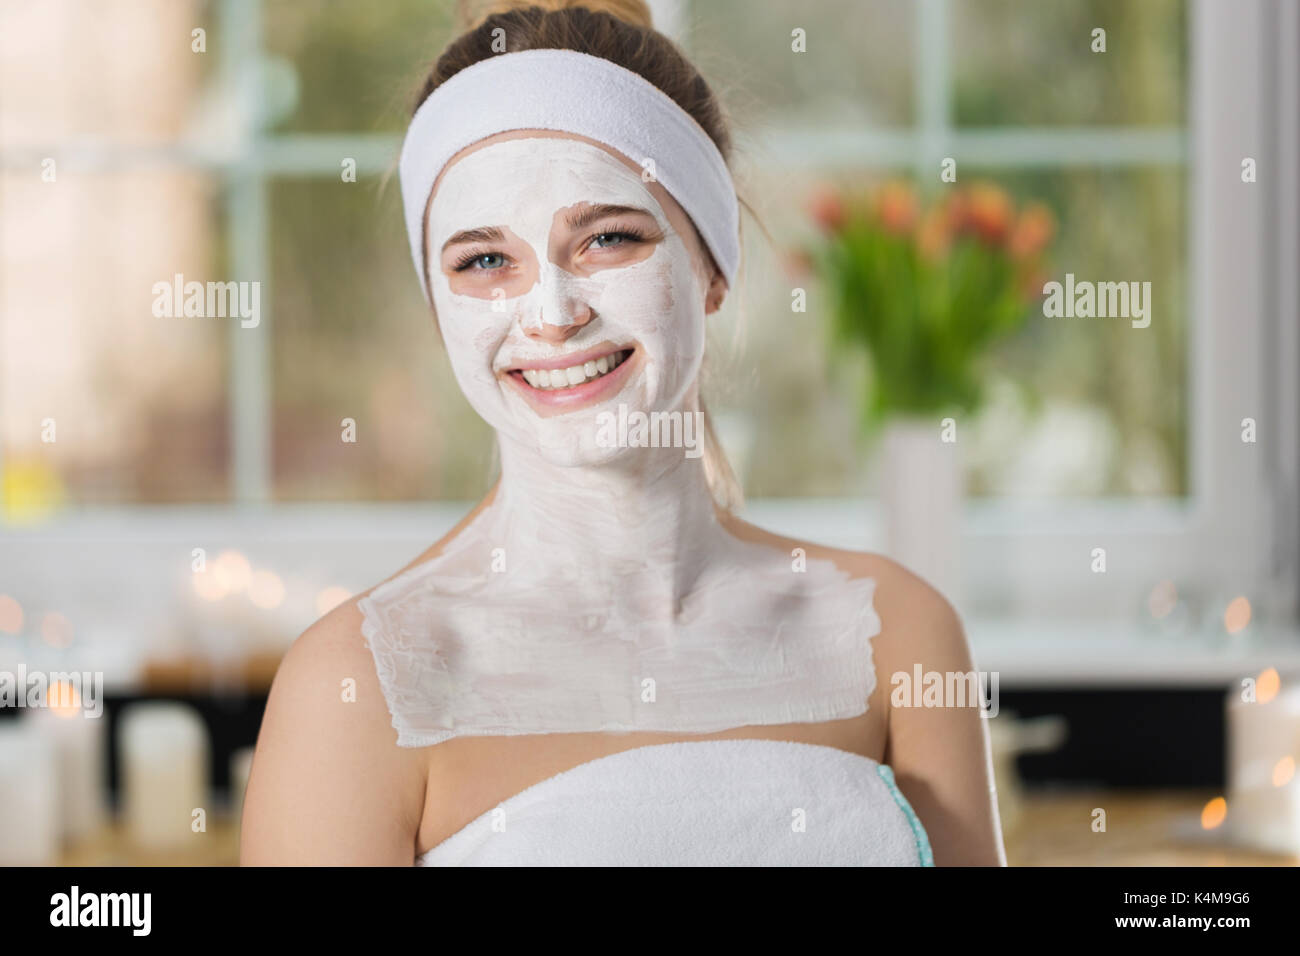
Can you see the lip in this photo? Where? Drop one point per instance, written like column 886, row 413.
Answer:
column 555, row 401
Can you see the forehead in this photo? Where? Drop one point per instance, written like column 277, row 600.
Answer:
column 522, row 182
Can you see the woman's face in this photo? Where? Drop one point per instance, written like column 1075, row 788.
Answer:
column 565, row 286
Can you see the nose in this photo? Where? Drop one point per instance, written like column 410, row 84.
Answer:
column 564, row 309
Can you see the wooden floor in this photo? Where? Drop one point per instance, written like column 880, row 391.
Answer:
column 1142, row 829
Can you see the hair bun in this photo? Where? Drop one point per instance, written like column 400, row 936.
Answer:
column 471, row 13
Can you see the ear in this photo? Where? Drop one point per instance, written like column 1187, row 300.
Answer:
column 717, row 291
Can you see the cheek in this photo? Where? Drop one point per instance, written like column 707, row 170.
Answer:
column 655, row 297
column 661, row 304
column 473, row 332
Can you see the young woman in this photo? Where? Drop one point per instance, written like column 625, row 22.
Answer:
column 602, row 664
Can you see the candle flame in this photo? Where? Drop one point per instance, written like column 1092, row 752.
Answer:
column 1214, row 813
column 233, row 571
column 1284, row 771
column 11, row 615
column 1237, row 616
column 208, row 586
column 266, row 590
column 64, row 699
column 1267, row 685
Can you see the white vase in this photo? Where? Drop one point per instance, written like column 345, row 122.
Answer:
column 921, row 494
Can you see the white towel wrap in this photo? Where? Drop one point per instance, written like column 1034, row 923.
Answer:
column 701, row 803
column 571, row 92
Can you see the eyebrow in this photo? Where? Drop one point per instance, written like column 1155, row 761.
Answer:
column 481, row 234
column 585, row 217
column 574, row 220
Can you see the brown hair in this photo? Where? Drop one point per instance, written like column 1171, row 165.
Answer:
column 622, row 32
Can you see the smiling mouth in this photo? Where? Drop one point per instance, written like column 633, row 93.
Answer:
column 574, row 376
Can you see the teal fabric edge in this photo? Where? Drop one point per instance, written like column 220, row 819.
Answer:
column 923, row 849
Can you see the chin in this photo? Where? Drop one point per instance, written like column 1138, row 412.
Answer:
column 574, row 441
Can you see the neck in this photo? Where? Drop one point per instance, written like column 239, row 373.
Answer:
column 647, row 514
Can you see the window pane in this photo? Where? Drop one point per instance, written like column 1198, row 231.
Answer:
column 856, row 70
column 357, row 65
column 353, row 339
column 101, row 400
column 1095, row 406
column 135, row 402
column 1032, row 63
column 122, row 72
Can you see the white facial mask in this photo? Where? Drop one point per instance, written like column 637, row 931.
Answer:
column 598, row 591
column 656, row 304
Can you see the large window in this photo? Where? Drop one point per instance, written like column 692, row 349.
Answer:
column 254, row 132
column 228, row 163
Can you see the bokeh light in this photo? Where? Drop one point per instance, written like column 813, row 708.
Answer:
column 64, row 700
column 1284, row 771
column 266, row 590
column 11, row 615
column 233, row 571
column 1215, row 812
column 1237, row 616
column 1267, row 685
column 208, row 586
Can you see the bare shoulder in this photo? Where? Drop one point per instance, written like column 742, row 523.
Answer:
column 329, row 784
column 916, row 619
column 331, row 662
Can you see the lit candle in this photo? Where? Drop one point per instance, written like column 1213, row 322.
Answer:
column 164, row 754
column 77, row 742
column 29, row 821
column 1263, row 741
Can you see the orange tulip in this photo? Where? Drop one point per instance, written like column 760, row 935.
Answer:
column 934, row 235
column 827, row 208
column 896, row 207
column 954, row 210
column 1032, row 232
column 989, row 212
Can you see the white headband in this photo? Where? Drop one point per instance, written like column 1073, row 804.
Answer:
column 571, row 92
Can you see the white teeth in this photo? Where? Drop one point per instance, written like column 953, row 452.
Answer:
column 569, row 377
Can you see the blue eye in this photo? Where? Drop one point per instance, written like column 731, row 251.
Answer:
column 606, row 240
column 485, row 261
